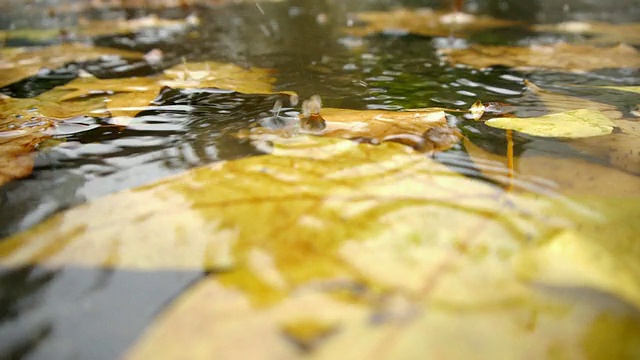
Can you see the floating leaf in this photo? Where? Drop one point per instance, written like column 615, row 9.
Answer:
column 633, row 89
column 22, row 125
column 19, row 63
column 571, row 124
column 556, row 102
column 130, row 96
column 619, row 148
column 600, row 32
column 562, row 57
column 425, row 22
column 424, row 129
column 16, row 152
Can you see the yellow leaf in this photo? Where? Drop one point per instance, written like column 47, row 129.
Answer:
column 425, row 22
column 556, row 102
column 332, row 247
column 562, row 57
column 129, row 96
column 633, row 89
column 19, row 63
column 571, row 124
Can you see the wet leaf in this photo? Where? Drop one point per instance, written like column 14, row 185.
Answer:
column 571, row 124
column 130, row 96
column 633, row 89
column 599, row 32
column 332, row 247
column 16, row 152
column 561, row 57
column 556, row 102
column 618, row 148
column 22, row 127
column 425, row 129
column 424, row 22
column 15, row 112
column 19, row 63
column 214, row 321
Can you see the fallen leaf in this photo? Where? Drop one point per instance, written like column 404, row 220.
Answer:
column 22, row 127
column 15, row 112
column 599, row 32
column 426, row 22
column 571, row 177
column 132, row 95
column 633, row 89
column 19, row 63
column 618, row 148
column 425, row 129
column 571, row 124
column 16, row 152
column 556, row 102
column 93, row 28
column 371, row 249
column 217, row 322
column 560, row 57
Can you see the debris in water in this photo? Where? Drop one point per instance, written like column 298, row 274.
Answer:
column 311, row 119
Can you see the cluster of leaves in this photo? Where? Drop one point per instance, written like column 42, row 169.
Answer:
column 354, row 247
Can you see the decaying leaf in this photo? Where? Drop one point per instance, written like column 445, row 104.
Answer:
column 130, row 96
column 354, row 242
column 425, row 130
column 599, row 32
column 561, row 57
column 570, row 124
column 425, row 22
column 19, row 63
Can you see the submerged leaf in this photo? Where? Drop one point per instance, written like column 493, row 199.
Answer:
column 425, row 22
column 331, row 247
column 130, row 96
column 571, row 124
column 562, row 57
column 19, row 63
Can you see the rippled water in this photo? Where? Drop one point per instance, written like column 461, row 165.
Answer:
column 192, row 128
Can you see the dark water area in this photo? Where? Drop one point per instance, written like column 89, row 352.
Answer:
column 47, row 314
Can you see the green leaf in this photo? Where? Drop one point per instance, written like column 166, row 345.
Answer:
column 571, row 124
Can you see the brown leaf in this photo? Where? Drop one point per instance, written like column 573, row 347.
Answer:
column 562, row 57
column 568, row 176
column 425, row 22
column 19, row 63
column 16, row 152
